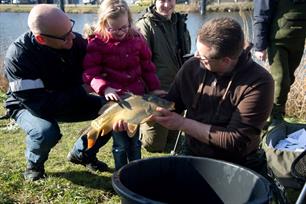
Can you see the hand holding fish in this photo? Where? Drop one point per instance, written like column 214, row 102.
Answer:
column 174, row 121
column 111, row 94
column 120, row 125
column 168, row 119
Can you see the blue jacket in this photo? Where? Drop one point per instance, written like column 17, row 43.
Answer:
column 263, row 12
column 43, row 80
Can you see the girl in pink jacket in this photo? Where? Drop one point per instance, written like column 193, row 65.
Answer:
column 118, row 60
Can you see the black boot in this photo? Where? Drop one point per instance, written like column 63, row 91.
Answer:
column 91, row 164
column 33, row 173
column 277, row 116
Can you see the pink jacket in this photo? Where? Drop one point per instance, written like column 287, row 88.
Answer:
column 124, row 64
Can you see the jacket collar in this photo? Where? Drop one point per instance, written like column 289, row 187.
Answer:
column 245, row 59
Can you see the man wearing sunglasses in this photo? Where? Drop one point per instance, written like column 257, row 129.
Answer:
column 44, row 70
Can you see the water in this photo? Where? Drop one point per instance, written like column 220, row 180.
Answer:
column 14, row 24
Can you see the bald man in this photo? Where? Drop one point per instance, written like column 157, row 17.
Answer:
column 44, row 70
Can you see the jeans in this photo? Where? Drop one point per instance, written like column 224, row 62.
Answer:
column 80, row 148
column 44, row 133
column 125, row 149
column 41, row 136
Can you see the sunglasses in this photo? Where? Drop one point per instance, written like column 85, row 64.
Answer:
column 63, row 37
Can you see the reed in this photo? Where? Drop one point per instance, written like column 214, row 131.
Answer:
column 296, row 103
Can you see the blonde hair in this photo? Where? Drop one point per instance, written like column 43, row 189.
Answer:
column 112, row 9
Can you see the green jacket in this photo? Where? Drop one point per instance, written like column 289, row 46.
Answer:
column 289, row 21
column 281, row 21
column 169, row 41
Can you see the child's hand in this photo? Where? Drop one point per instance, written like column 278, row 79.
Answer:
column 159, row 92
column 119, row 126
column 111, row 94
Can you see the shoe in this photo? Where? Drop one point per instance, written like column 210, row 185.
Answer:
column 93, row 165
column 97, row 165
column 34, row 173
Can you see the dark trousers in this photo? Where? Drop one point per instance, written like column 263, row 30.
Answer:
column 125, row 149
column 284, row 58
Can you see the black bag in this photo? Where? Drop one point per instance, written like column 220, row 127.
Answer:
column 298, row 170
column 280, row 161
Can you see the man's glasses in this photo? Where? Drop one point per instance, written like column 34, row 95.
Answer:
column 122, row 29
column 204, row 58
column 63, row 37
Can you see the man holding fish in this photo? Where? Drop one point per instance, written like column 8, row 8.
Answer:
column 228, row 97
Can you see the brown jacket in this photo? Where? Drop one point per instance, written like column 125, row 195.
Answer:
column 236, row 126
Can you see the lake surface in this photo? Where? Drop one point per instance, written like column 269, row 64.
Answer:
column 14, row 24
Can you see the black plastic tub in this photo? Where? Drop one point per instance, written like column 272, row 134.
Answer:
column 184, row 179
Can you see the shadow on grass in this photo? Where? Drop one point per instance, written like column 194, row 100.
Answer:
column 87, row 179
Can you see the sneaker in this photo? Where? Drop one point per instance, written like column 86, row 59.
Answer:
column 34, row 173
column 94, row 165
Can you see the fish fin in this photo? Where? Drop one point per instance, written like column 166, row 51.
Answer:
column 92, row 136
column 150, row 122
column 132, row 129
column 147, row 119
column 127, row 95
column 105, row 130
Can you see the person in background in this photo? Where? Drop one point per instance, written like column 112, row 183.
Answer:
column 44, row 70
column 228, row 97
column 118, row 60
column 168, row 37
column 279, row 34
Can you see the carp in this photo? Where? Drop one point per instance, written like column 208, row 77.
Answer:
column 133, row 109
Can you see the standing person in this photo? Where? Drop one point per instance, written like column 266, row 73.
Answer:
column 118, row 60
column 279, row 32
column 44, row 70
column 167, row 35
column 228, row 97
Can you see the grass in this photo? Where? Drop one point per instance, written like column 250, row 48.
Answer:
column 66, row 182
